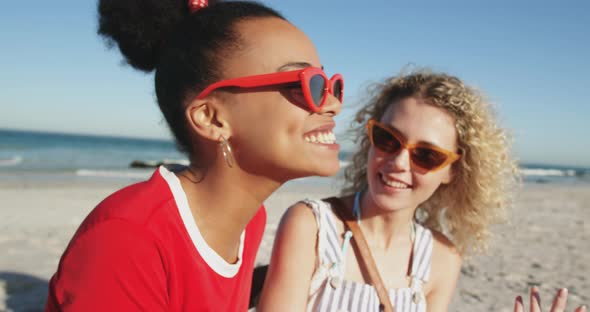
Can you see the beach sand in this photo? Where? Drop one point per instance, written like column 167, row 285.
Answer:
column 546, row 243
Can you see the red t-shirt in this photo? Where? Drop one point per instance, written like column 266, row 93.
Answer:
column 140, row 249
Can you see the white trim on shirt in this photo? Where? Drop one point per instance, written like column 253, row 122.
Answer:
column 212, row 258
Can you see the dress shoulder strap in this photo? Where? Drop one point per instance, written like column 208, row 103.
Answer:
column 422, row 253
column 328, row 247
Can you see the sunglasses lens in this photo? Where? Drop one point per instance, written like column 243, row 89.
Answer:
column 337, row 89
column 384, row 140
column 317, row 88
column 427, row 158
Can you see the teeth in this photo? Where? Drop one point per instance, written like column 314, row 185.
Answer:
column 393, row 183
column 323, row 138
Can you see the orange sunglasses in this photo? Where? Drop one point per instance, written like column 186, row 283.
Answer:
column 425, row 156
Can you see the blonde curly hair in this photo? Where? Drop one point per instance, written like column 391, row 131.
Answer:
column 483, row 178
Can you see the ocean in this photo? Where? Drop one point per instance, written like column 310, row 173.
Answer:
column 88, row 157
column 67, row 155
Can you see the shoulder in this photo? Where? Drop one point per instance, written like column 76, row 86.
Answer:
column 111, row 245
column 108, row 253
column 293, row 259
column 300, row 224
column 296, row 239
column 140, row 199
column 259, row 219
column 443, row 249
column 310, row 213
column 256, row 226
column 445, row 271
column 307, row 218
column 114, row 238
column 137, row 203
column 301, row 216
column 446, row 259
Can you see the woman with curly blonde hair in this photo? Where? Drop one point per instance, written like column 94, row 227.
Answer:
column 433, row 170
column 483, row 175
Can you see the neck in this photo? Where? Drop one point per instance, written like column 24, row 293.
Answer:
column 223, row 200
column 385, row 228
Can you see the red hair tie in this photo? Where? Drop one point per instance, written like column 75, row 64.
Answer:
column 195, row 5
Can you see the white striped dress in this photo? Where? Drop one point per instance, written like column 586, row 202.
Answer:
column 330, row 292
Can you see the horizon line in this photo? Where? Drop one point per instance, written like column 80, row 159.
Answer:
column 173, row 142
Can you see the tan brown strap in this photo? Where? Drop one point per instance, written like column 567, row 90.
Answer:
column 366, row 257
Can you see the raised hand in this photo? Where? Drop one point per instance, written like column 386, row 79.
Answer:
column 559, row 302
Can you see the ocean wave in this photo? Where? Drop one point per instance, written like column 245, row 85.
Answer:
column 11, row 162
column 344, row 163
column 133, row 174
column 157, row 163
column 549, row 172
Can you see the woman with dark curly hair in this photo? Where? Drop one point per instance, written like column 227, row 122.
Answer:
column 242, row 91
column 432, row 172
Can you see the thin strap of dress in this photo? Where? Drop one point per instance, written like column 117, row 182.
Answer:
column 329, row 249
column 422, row 253
column 326, row 248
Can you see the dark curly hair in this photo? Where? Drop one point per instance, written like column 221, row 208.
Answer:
column 185, row 49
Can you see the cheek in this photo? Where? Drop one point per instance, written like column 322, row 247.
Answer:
column 265, row 115
column 376, row 159
column 267, row 138
column 427, row 184
column 269, row 132
column 372, row 162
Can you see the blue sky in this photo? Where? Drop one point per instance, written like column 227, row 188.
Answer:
column 530, row 58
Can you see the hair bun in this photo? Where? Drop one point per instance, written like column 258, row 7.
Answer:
column 140, row 27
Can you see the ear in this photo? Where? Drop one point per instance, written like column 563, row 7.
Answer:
column 206, row 118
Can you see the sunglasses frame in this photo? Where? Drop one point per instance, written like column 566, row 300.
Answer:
column 303, row 76
column 451, row 157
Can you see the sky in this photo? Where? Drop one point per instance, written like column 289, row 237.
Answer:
column 531, row 59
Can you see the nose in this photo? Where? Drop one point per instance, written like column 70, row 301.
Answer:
column 332, row 106
column 400, row 161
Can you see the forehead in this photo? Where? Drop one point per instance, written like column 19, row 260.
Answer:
column 419, row 121
column 267, row 44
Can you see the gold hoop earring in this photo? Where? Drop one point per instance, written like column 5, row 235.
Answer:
column 226, row 151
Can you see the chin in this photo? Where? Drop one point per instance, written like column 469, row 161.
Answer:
column 323, row 170
column 320, row 171
column 389, row 202
column 328, row 170
column 327, row 174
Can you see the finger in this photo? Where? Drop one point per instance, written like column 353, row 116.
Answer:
column 560, row 301
column 535, row 300
column 581, row 309
column 518, row 305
